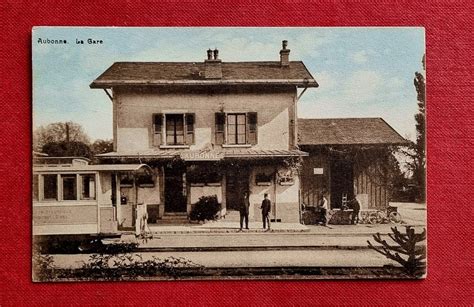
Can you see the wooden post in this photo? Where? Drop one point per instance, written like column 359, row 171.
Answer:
column 117, row 199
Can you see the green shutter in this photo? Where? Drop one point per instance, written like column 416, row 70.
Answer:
column 157, row 129
column 190, row 118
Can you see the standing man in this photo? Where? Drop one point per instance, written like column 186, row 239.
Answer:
column 355, row 211
column 323, row 206
column 244, row 211
column 266, row 207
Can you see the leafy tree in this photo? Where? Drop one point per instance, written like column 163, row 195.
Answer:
column 67, row 149
column 57, row 133
column 102, row 146
column 416, row 151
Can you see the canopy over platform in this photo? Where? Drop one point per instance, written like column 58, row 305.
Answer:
column 348, row 131
column 205, row 155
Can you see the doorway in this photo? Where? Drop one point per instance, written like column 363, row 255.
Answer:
column 342, row 182
column 175, row 195
column 237, row 182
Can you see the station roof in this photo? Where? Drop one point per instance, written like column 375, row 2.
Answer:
column 347, row 131
column 191, row 73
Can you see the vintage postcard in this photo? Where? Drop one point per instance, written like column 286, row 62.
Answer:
column 228, row 153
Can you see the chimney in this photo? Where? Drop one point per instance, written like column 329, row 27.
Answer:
column 213, row 65
column 284, row 54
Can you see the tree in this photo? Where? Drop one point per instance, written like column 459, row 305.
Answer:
column 57, row 133
column 416, row 151
column 102, row 146
column 67, row 149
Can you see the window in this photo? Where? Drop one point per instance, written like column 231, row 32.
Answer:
column 145, row 180
column 200, row 175
column 69, row 187
column 87, row 187
column 50, row 187
column 174, row 129
column 126, row 182
column 178, row 130
column 263, row 179
column 236, row 129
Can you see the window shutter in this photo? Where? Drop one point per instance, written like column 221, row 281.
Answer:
column 157, row 129
column 220, row 128
column 252, row 127
column 190, row 117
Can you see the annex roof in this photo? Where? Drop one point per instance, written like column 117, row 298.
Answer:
column 191, row 73
column 347, row 131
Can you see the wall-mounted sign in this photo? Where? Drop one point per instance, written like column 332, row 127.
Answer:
column 197, row 155
column 318, row 171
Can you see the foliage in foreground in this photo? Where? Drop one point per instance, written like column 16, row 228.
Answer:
column 407, row 253
column 121, row 266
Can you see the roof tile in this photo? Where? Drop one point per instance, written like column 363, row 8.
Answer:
column 162, row 72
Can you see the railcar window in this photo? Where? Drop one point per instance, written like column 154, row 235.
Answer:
column 50, row 187
column 87, row 187
column 69, row 187
column 35, row 187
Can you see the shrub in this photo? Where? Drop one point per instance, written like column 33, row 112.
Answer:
column 205, row 209
column 113, row 263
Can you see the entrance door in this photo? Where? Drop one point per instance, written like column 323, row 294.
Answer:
column 175, row 199
column 237, row 182
column 342, row 182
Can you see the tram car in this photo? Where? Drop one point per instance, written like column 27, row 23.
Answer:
column 73, row 199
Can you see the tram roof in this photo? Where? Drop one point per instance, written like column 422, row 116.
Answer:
column 38, row 168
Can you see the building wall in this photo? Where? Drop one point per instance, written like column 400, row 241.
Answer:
column 285, row 204
column 134, row 110
column 370, row 188
column 313, row 184
column 198, row 191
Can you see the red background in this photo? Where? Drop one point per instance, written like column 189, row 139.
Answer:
column 449, row 26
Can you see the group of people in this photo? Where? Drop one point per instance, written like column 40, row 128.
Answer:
column 244, row 211
column 323, row 209
column 267, row 204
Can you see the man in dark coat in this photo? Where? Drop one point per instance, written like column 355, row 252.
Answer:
column 244, row 211
column 354, row 203
column 266, row 207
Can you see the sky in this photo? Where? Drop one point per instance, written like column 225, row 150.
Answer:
column 362, row 72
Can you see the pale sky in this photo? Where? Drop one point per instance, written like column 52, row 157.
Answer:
column 362, row 72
